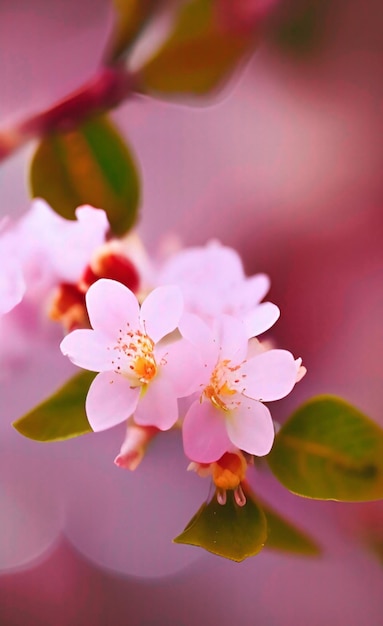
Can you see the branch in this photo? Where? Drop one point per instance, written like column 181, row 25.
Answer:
column 108, row 88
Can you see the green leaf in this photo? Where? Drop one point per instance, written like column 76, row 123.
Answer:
column 62, row 416
column 228, row 530
column 131, row 17
column 87, row 165
column 285, row 537
column 199, row 54
column 331, row 451
column 300, row 29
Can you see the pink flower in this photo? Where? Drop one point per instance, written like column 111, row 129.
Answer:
column 213, row 283
column 230, row 414
column 49, row 249
column 140, row 372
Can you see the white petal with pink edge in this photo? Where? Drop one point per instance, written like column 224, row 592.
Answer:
column 112, row 308
column 250, row 427
column 110, row 400
column 204, row 433
column 88, row 349
column 269, row 376
column 158, row 405
column 161, row 312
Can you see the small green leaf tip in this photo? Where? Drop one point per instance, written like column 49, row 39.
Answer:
column 329, row 450
column 62, row 416
column 284, row 536
column 230, row 530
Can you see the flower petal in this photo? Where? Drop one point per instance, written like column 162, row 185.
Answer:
column 88, row 349
column 232, row 339
column 251, row 291
column 269, row 376
column 12, row 285
column 111, row 307
column 204, row 434
column 200, row 335
column 250, row 427
column 110, row 400
column 261, row 319
column 181, row 365
column 161, row 311
column 158, row 406
column 301, row 369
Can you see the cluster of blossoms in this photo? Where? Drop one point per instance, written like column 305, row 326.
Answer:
column 186, row 355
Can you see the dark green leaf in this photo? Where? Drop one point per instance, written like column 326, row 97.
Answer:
column 131, row 16
column 285, row 537
column 331, row 451
column 300, row 27
column 87, row 165
column 230, row 531
column 61, row 416
column 199, row 54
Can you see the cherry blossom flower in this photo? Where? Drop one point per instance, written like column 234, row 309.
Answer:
column 63, row 247
column 229, row 413
column 43, row 249
column 213, row 283
column 140, row 372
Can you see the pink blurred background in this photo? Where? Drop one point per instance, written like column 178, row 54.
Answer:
column 286, row 167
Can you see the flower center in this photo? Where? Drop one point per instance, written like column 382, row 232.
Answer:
column 135, row 357
column 224, row 387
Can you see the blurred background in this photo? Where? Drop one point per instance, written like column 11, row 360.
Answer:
column 285, row 166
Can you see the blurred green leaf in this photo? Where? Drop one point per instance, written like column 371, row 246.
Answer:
column 331, row 451
column 131, row 17
column 90, row 164
column 285, row 537
column 199, row 55
column 228, row 530
column 62, row 416
column 300, row 27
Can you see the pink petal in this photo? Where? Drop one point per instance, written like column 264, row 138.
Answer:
column 76, row 241
column 110, row 400
column 261, row 319
column 232, row 339
column 12, row 285
column 301, row 370
column 251, row 292
column 200, row 266
column 88, row 349
column 269, row 376
column 250, row 427
column 112, row 307
column 200, row 335
column 161, row 311
column 134, row 446
column 181, row 365
column 204, row 434
column 158, row 406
